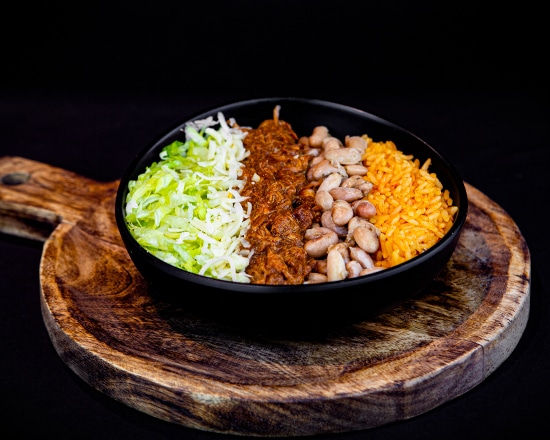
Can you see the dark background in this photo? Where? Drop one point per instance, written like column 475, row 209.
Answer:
column 86, row 86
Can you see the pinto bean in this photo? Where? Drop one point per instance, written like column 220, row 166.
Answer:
column 371, row 270
column 344, row 156
column 318, row 245
column 341, row 245
column 359, row 221
column 342, row 212
column 366, row 239
column 320, row 266
column 356, row 222
column 347, row 194
column 324, row 200
column 359, row 255
column 354, row 269
column 331, row 143
column 324, row 168
column 366, row 188
column 331, row 181
column 336, row 267
column 313, row 152
column 357, row 142
column 353, row 181
column 318, row 135
column 315, row 277
column 328, row 222
column 356, row 169
column 317, row 167
column 316, row 159
column 363, row 208
column 343, row 249
column 315, row 232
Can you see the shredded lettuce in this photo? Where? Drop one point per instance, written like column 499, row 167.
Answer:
column 186, row 208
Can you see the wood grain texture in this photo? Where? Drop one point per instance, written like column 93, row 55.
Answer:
column 160, row 359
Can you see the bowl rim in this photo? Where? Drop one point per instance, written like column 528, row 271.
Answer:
column 268, row 289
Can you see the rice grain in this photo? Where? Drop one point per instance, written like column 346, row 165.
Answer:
column 413, row 211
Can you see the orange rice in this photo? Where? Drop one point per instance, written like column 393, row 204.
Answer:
column 413, row 210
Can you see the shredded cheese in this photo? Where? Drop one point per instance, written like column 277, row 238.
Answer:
column 186, row 208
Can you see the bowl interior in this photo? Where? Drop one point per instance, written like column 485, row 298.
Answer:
column 304, row 115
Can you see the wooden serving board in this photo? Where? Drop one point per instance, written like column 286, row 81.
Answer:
column 159, row 359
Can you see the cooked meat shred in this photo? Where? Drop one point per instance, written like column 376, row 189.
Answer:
column 283, row 203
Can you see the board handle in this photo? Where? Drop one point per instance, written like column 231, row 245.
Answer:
column 36, row 197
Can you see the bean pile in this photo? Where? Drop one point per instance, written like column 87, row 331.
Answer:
column 344, row 240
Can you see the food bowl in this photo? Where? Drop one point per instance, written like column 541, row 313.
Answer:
column 347, row 298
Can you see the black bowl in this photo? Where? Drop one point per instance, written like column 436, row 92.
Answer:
column 349, row 298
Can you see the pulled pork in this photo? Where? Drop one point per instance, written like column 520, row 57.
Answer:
column 283, row 203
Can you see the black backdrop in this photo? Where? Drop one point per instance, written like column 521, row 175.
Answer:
column 86, row 86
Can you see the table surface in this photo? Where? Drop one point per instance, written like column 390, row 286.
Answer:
column 77, row 117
